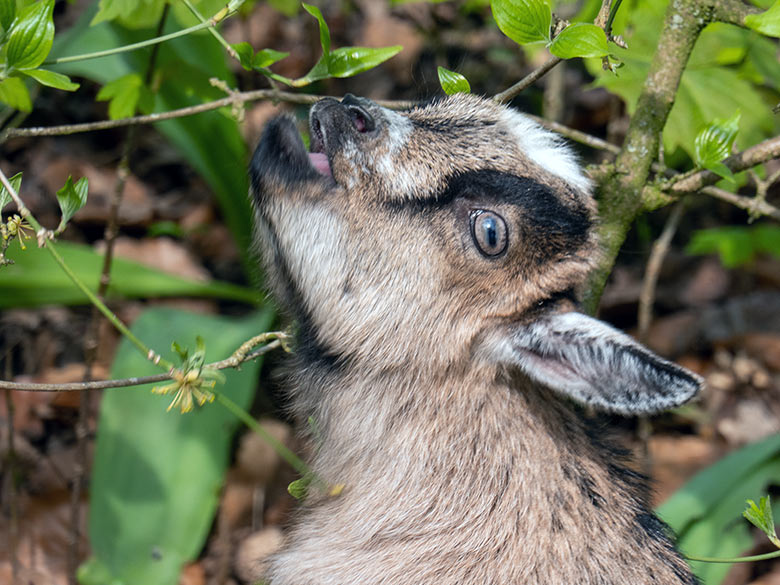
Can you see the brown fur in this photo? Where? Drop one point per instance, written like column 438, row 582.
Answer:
column 459, row 469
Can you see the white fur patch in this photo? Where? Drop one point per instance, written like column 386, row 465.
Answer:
column 546, row 149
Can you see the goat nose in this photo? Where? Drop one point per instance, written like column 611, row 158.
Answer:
column 361, row 119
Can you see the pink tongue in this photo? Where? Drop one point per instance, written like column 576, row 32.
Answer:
column 320, row 162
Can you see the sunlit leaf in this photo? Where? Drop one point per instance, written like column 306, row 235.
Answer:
column 767, row 23
column 714, row 142
column 267, row 57
column 31, row 36
column 13, row 92
column 324, row 32
column 349, row 61
column 523, row 21
column 580, row 40
column 453, row 82
column 52, row 79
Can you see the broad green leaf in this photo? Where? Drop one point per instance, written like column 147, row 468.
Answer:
column 123, row 95
column 767, row 23
column 713, row 142
column 72, row 198
column 7, row 14
column 452, row 82
column 35, row 279
column 13, row 92
column 523, row 21
column 31, row 36
column 580, row 40
column 324, row 32
column 349, row 61
column 52, row 79
column 157, row 475
column 267, row 57
column 5, row 196
column 721, row 170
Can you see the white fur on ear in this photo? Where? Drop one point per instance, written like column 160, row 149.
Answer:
column 594, row 364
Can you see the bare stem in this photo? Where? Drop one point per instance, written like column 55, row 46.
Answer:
column 526, row 81
column 241, row 355
column 752, row 205
column 755, row 155
column 654, row 263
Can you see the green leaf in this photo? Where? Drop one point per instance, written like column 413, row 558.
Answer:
column 245, row 54
column 7, row 14
column 267, row 57
column 31, row 36
column 349, row 61
column 157, row 475
column 580, row 40
column 761, row 517
column 767, row 23
column 452, row 82
column 52, row 79
column 523, row 21
column 72, row 198
column 122, row 95
column 721, row 170
column 286, row 7
column 13, row 92
column 767, row 239
column 5, row 196
column 324, row 32
column 249, row 60
column 35, row 279
column 713, row 142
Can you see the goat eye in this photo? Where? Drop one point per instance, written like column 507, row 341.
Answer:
column 488, row 230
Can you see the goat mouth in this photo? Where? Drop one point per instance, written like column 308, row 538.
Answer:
column 317, row 156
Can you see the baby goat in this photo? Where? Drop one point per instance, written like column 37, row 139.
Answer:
column 432, row 261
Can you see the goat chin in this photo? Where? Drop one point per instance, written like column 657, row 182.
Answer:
column 433, row 261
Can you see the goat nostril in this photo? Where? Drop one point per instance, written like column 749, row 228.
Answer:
column 361, row 119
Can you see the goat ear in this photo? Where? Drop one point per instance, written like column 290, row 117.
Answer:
column 594, row 364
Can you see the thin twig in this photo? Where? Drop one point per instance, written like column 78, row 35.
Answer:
column 750, row 204
column 239, row 97
column 653, row 269
column 748, row 158
column 576, row 135
column 137, row 381
column 526, row 81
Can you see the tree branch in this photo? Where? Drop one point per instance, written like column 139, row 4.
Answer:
column 755, row 155
column 753, row 205
column 732, row 11
column 237, row 98
column 621, row 197
column 232, row 361
column 526, row 81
